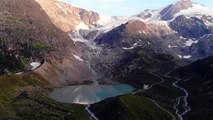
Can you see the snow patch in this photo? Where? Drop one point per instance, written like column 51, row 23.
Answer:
column 169, row 46
column 181, row 37
column 78, row 58
column 196, row 10
column 190, row 42
column 107, row 23
column 35, row 65
column 81, row 25
column 187, row 56
column 180, row 56
column 155, row 15
column 148, row 43
column 125, row 48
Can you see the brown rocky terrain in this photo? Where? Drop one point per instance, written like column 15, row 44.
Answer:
column 25, row 21
column 66, row 16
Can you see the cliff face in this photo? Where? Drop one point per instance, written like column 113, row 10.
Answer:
column 67, row 17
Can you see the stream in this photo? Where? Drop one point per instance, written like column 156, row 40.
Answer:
column 92, row 115
column 179, row 99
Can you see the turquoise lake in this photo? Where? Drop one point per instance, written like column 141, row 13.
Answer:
column 89, row 94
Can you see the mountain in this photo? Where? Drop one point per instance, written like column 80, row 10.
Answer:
column 181, row 7
column 27, row 36
column 185, row 36
column 35, row 33
column 183, row 17
column 66, row 16
column 46, row 44
column 181, row 28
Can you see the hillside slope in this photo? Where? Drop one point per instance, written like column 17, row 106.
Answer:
column 197, row 78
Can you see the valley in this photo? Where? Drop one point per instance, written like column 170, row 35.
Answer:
column 62, row 62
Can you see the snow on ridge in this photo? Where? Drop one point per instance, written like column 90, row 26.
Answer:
column 107, row 23
column 105, row 20
column 155, row 15
column 180, row 56
column 185, row 56
column 170, row 46
column 130, row 48
column 196, row 10
column 81, row 25
column 148, row 43
column 181, row 37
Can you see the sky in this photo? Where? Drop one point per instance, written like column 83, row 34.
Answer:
column 126, row 7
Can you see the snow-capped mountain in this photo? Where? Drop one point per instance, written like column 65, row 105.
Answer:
column 179, row 30
column 182, row 7
column 180, row 27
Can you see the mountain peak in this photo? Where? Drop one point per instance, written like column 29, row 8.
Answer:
column 67, row 16
column 185, row 3
column 168, row 12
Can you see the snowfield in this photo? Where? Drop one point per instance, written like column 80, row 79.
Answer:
column 78, row 58
column 35, row 65
column 190, row 42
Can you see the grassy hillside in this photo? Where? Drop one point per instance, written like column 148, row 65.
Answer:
column 129, row 107
column 25, row 97
column 139, row 71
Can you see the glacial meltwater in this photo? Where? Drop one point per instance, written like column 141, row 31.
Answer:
column 89, row 94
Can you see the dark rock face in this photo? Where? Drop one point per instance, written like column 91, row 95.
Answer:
column 207, row 18
column 203, row 48
column 165, row 13
column 189, row 28
column 89, row 17
column 112, row 37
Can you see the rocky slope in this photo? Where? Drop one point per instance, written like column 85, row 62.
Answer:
column 66, row 16
column 191, row 23
column 179, row 30
column 162, row 33
column 182, row 30
column 28, row 30
column 27, row 35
